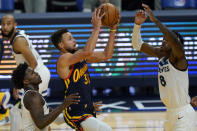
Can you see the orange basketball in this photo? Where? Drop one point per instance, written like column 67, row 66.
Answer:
column 111, row 16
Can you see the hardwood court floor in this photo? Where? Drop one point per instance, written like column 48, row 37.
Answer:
column 128, row 121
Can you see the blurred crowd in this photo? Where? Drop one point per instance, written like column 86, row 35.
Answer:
column 43, row 6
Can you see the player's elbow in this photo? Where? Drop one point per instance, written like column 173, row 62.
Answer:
column 136, row 45
column 40, row 125
column 108, row 56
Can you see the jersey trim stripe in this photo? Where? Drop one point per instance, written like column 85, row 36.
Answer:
column 69, row 122
column 70, row 72
column 75, row 119
column 67, row 82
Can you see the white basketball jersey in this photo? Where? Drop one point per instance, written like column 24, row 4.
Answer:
column 173, row 85
column 27, row 122
column 41, row 69
column 19, row 57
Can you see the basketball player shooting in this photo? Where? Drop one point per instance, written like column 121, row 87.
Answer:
column 73, row 70
column 172, row 74
column 36, row 115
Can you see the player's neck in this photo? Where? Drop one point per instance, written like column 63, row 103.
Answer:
column 31, row 87
column 13, row 34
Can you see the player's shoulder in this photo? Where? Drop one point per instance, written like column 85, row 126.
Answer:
column 64, row 57
column 32, row 96
column 20, row 40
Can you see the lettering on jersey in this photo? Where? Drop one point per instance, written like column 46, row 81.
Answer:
column 163, row 66
column 76, row 75
column 164, row 69
column 79, row 73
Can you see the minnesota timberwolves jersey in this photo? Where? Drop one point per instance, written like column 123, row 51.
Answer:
column 41, row 69
column 19, row 57
column 173, row 85
column 79, row 81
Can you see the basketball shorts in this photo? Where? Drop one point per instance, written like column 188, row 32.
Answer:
column 180, row 119
column 94, row 124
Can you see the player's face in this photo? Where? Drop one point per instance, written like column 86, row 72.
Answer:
column 32, row 77
column 8, row 26
column 68, row 43
column 165, row 48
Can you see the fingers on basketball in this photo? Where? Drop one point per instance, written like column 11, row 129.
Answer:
column 111, row 16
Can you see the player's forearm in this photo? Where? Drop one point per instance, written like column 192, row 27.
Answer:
column 33, row 65
column 168, row 35
column 91, row 43
column 109, row 49
column 49, row 118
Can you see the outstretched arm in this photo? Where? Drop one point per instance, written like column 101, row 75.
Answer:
column 70, row 59
column 109, row 49
column 137, row 42
column 34, row 103
column 169, row 36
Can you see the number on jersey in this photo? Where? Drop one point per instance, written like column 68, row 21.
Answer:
column 162, row 80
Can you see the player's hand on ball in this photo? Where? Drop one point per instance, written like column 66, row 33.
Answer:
column 140, row 17
column 114, row 27
column 194, row 101
column 96, row 18
column 72, row 99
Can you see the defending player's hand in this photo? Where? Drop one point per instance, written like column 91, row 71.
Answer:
column 72, row 99
column 140, row 17
column 194, row 101
column 96, row 18
column 149, row 11
column 97, row 105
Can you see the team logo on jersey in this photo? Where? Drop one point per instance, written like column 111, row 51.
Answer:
column 78, row 73
column 162, row 62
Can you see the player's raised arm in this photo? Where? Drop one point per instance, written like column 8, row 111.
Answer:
column 69, row 57
column 109, row 49
column 137, row 42
column 169, row 36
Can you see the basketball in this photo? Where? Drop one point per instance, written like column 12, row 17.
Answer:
column 111, row 16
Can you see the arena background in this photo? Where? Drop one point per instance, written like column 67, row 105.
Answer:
column 129, row 75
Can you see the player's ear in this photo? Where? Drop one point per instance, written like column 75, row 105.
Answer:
column 60, row 45
column 15, row 24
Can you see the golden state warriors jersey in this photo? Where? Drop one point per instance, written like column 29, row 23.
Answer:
column 78, row 81
column 173, row 85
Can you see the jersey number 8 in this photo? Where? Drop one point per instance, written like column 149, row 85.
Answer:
column 162, row 80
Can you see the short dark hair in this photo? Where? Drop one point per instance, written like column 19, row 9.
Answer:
column 179, row 36
column 18, row 75
column 56, row 37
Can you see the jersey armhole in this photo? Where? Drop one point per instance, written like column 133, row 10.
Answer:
column 70, row 72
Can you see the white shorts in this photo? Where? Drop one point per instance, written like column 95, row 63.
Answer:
column 93, row 124
column 44, row 73
column 180, row 119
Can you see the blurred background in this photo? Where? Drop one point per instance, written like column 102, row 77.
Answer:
column 129, row 76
